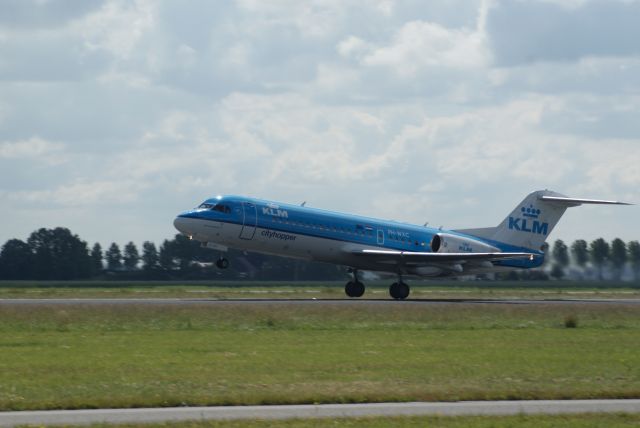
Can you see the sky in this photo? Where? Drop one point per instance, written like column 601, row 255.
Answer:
column 117, row 115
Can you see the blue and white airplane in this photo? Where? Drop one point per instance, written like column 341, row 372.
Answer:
column 363, row 243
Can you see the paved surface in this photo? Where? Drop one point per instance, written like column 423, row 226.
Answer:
column 345, row 301
column 9, row 419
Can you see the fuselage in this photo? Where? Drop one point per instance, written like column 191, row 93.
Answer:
column 314, row 234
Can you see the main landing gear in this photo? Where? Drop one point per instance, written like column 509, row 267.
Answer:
column 222, row 263
column 399, row 290
column 354, row 288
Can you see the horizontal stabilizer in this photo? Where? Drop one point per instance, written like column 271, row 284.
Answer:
column 574, row 202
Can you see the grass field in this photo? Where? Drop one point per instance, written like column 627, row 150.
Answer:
column 130, row 356
column 320, row 290
column 571, row 421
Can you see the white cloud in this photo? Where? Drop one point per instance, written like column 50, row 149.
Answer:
column 174, row 127
column 383, row 108
column 127, row 79
column 304, row 142
column 333, row 79
column 567, row 4
column 117, row 27
column 385, row 7
column 613, row 164
column 186, row 55
column 236, row 57
column 82, row 194
column 424, row 44
column 353, row 46
column 313, row 19
column 34, row 147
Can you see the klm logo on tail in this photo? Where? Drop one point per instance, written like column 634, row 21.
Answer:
column 530, row 223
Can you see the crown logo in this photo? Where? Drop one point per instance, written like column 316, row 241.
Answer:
column 530, row 212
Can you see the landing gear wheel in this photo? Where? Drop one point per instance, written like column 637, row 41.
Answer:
column 222, row 263
column 354, row 289
column 399, row 290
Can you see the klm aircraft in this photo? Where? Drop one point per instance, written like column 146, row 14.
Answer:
column 371, row 244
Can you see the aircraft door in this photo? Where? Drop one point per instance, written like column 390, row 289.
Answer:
column 249, row 220
column 380, row 237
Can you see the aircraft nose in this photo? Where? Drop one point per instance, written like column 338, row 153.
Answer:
column 182, row 224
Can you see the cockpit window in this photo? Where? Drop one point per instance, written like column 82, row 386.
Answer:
column 225, row 209
column 222, row 208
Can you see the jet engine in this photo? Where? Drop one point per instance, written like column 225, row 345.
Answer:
column 447, row 243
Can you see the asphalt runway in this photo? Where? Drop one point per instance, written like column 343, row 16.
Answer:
column 497, row 408
column 280, row 301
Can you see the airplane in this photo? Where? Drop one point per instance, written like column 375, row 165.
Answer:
column 371, row 244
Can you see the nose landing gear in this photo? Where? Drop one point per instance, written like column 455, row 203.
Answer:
column 222, row 263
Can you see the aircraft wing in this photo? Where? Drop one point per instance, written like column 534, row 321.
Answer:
column 424, row 257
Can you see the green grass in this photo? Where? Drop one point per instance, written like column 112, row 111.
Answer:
column 320, row 290
column 131, row 356
column 521, row 421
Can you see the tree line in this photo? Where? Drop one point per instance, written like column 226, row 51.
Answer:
column 604, row 257
column 58, row 254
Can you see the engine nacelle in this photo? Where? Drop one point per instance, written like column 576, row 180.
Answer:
column 446, row 243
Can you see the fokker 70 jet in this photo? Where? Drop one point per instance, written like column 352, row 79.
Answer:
column 363, row 243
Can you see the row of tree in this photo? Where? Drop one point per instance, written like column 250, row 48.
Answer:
column 613, row 257
column 58, row 254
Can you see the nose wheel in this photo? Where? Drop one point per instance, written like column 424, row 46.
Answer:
column 399, row 290
column 222, row 263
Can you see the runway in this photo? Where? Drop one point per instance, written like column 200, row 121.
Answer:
column 281, row 301
column 77, row 417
